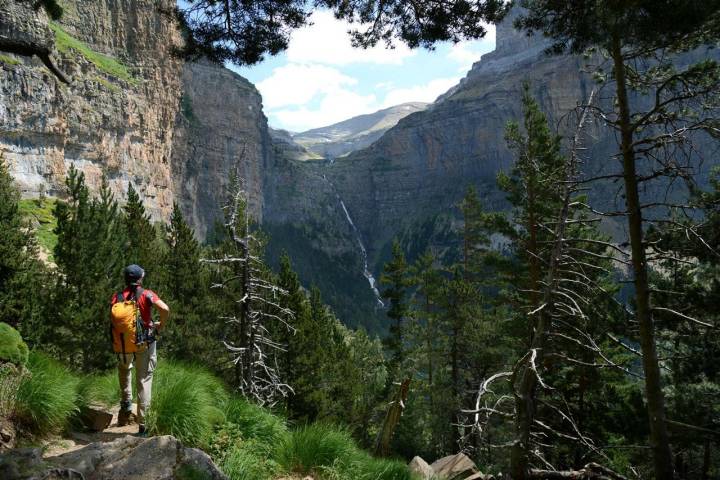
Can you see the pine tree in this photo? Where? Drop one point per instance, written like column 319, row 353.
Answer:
column 184, row 281
column 21, row 274
column 640, row 38
column 91, row 255
column 395, row 277
column 308, row 347
column 143, row 247
column 249, row 304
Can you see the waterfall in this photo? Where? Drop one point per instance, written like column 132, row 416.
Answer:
column 363, row 251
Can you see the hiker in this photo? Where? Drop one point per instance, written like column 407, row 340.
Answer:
column 133, row 334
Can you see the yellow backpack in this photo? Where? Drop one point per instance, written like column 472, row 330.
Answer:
column 128, row 331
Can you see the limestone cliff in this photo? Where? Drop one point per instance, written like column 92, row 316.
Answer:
column 133, row 111
column 220, row 128
column 115, row 120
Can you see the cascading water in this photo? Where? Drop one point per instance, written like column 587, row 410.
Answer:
column 363, row 252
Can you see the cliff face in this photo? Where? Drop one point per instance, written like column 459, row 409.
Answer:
column 125, row 111
column 101, row 123
column 220, row 128
column 422, row 166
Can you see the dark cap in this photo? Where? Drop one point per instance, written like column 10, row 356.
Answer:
column 133, row 274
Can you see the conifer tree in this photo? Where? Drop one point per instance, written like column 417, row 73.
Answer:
column 184, row 281
column 20, row 271
column 395, row 277
column 309, row 347
column 91, row 255
column 143, row 247
column 639, row 39
column 250, row 305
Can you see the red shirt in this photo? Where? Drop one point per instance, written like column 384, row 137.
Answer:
column 145, row 303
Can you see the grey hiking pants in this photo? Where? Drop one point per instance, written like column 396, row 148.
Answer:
column 144, row 363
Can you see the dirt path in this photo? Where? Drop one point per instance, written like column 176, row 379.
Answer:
column 78, row 440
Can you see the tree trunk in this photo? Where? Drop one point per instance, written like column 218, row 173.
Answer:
column 392, row 418
column 659, row 442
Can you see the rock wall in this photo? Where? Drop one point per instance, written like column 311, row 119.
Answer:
column 100, row 123
column 220, row 128
column 131, row 124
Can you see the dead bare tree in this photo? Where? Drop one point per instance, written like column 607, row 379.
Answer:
column 560, row 311
column 250, row 344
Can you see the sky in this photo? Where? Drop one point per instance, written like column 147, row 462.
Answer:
column 321, row 79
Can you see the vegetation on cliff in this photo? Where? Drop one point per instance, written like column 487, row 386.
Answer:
column 66, row 43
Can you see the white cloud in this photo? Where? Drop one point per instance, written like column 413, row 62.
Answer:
column 420, row 93
column 336, row 105
column 294, row 84
column 327, row 41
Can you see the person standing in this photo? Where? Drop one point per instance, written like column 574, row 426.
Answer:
column 134, row 342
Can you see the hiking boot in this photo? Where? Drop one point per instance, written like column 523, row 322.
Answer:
column 142, row 431
column 125, row 417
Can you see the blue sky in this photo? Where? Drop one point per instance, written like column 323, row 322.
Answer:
column 321, row 79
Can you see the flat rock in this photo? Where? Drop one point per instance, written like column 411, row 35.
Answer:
column 126, row 458
column 458, row 466
column 421, row 468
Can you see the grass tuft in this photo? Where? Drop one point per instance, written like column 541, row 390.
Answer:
column 102, row 389
column 12, row 347
column 187, row 403
column 47, row 398
column 66, row 42
column 255, row 422
column 312, row 447
column 246, row 462
column 9, row 60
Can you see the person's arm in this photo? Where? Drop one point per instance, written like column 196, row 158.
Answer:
column 163, row 311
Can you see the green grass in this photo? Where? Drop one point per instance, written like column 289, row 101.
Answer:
column 47, row 398
column 246, row 441
column 187, row 403
column 41, row 212
column 311, row 447
column 255, row 422
column 9, row 60
column 105, row 63
column 100, row 389
column 247, row 462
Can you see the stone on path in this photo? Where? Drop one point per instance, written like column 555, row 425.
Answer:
column 95, row 418
column 453, row 467
column 421, row 468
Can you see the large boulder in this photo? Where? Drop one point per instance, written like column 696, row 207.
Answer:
column 126, row 458
column 421, row 468
column 458, row 466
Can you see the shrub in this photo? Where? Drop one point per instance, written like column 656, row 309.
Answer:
column 255, row 422
column 47, row 397
column 12, row 347
column 315, row 446
column 187, row 403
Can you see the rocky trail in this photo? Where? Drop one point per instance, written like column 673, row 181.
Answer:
column 115, row 453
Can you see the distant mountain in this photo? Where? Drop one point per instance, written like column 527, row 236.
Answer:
column 355, row 133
